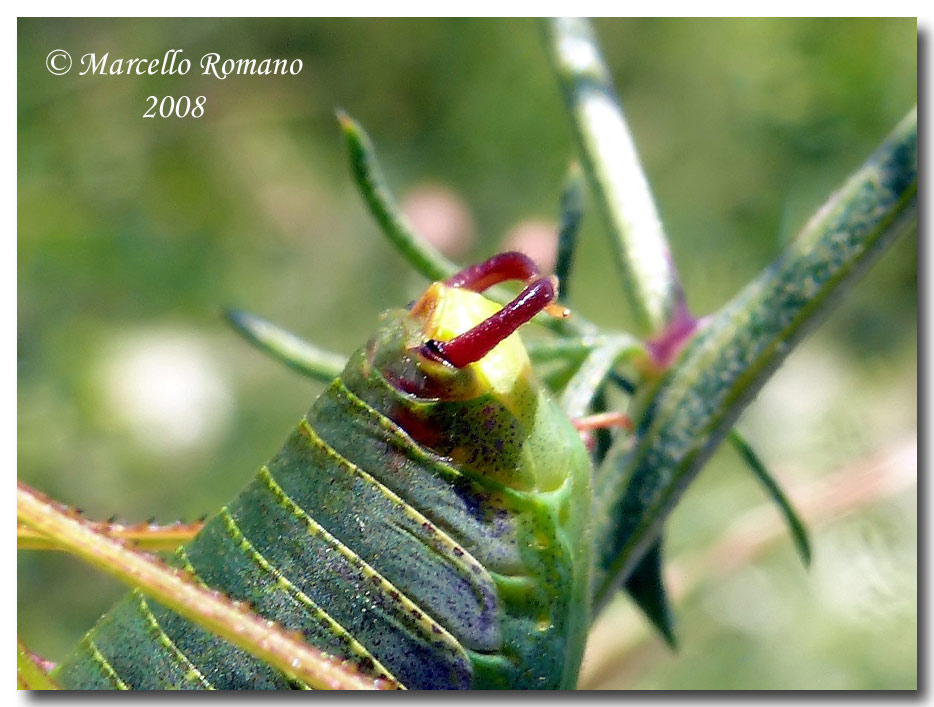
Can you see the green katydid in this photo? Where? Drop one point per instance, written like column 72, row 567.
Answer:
column 426, row 521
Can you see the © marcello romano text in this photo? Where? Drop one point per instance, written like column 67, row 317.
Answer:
column 172, row 63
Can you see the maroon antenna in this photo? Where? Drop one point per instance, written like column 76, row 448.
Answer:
column 475, row 343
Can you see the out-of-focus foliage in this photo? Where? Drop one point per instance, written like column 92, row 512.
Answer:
column 136, row 399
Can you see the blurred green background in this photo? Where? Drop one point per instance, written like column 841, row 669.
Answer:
column 135, row 399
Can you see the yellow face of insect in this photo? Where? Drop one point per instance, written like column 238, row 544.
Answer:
column 446, row 312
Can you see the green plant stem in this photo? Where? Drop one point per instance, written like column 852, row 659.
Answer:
column 283, row 345
column 170, row 586
column 681, row 422
column 572, row 213
column 544, row 350
column 580, row 390
column 615, row 175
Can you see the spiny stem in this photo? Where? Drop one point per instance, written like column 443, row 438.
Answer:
column 175, row 589
column 32, row 672
column 143, row 536
column 615, row 175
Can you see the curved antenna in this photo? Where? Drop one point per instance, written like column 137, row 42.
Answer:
column 475, row 343
column 499, row 268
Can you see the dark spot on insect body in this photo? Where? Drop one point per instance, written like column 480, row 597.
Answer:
column 458, row 552
column 428, row 527
column 422, row 431
column 394, row 595
column 417, row 614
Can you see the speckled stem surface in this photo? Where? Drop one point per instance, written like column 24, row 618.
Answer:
column 687, row 413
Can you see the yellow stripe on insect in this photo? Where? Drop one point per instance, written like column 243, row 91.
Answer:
column 441, row 540
column 427, row 625
column 104, row 664
column 191, row 671
column 333, row 625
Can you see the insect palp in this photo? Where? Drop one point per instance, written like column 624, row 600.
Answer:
column 477, row 342
column 539, row 295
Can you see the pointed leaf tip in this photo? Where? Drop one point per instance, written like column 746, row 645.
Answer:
column 343, row 119
column 796, row 526
column 646, row 587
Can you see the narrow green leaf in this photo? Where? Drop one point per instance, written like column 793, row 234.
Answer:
column 689, row 411
column 176, row 590
column 572, row 213
column 796, row 526
column 544, row 350
column 615, row 174
column 283, row 345
column 395, row 226
column 647, row 588
column 575, row 400
column 419, row 253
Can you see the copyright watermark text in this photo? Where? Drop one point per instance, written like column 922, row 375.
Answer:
column 171, row 63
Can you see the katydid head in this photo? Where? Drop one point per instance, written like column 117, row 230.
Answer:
column 454, row 343
column 462, row 379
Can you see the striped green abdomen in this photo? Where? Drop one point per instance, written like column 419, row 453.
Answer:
column 376, row 548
